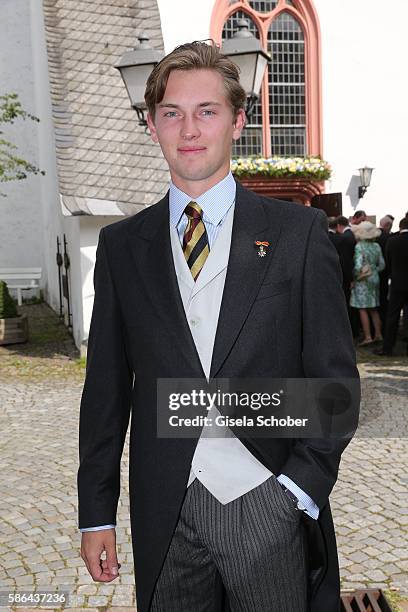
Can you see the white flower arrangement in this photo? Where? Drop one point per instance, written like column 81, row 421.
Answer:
column 312, row 168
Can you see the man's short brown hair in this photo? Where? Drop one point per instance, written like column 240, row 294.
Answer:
column 343, row 221
column 195, row 56
column 332, row 222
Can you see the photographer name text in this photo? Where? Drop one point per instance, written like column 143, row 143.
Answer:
column 226, row 421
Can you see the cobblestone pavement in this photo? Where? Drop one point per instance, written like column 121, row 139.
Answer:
column 39, row 540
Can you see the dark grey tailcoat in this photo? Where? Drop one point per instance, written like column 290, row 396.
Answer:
column 283, row 315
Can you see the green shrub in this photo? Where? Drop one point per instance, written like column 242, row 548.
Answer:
column 8, row 307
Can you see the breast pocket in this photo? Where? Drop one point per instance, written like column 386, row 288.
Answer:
column 274, row 288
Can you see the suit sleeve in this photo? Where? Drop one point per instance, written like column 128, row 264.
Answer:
column 328, row 352
column 380, row 260
column 105, row 403
column 388, row 256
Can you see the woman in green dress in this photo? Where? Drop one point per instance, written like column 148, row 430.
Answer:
column 365, row 292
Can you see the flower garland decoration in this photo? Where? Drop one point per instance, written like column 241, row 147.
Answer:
column 312, row 168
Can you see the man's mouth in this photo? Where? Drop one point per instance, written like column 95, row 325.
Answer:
column 191, row 150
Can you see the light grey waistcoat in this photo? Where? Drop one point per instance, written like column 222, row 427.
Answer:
column 223, row 464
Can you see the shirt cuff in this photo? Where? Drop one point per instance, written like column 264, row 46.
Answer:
column 307, row 502
column 98, row 528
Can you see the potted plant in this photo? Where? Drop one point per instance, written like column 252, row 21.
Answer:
column 13, row 327
column 294, row 178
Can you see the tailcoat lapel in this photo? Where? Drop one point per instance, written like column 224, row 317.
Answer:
column 246, row 270
column 156, row 265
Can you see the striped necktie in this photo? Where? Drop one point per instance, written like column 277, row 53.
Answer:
column 195, row 240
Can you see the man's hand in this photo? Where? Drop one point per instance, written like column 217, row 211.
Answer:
column 93, row 543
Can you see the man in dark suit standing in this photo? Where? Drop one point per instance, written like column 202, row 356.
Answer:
column 385, row 227
column 345, row 243
column 212, row 282
column 396, row 254
column 332, row 227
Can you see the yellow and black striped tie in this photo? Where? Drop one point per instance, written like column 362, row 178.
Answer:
column 195, row 240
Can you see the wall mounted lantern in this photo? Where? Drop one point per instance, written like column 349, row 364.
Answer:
column 135, row 67
column 365, row 178
column 246, row 52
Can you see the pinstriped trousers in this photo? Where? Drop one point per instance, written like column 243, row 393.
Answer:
column 255, row 546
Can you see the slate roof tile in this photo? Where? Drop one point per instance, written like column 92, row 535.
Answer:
column 102, row 152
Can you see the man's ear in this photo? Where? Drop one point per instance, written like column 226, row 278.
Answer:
column 152, row 128
column 239, row 124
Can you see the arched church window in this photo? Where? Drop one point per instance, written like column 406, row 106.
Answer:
column 250, row 142
column 287, row 118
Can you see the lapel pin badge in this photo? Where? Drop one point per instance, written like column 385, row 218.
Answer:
column 262, row 246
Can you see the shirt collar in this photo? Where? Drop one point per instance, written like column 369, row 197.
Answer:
column 214, row 203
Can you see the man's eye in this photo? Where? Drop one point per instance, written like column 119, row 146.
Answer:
column 170, row 114
column 208, row 113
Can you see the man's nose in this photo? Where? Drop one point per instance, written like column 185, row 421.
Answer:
column 189, row 128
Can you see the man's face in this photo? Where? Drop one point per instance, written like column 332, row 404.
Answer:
column 195, row 127
column 360, row 219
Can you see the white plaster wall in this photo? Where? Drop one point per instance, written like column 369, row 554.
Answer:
column 364, row 100
column 89, row 233
column 184, row 21
column 52, row 219
column 21, row 210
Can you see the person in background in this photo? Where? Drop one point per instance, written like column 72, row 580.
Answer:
column 343, row 226
column 345, row 243
column 385, row 229
column 365, row 293
column 405, row 322
column 397, row 264
column 332, row 223
column 386, row 225
column 339, row 244
column 405, row 309
column 358, row 217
